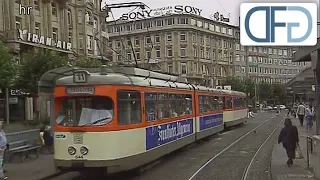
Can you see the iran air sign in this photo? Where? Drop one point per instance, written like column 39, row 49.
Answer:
column 177, row 9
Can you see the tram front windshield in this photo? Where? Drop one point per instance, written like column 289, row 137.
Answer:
column 85, row 111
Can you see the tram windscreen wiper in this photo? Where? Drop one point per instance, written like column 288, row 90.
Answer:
column 96, row 121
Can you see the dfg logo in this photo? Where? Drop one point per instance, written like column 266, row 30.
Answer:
column 278, row 24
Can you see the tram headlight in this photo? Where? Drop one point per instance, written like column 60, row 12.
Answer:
column 84, row 150
column 72, row 150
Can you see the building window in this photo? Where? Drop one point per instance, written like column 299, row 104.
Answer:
column 80, row 42
column 138, row 55
column 55, row 34
column 36, row 5
column 37, row 28
column 158, row 53
column 70, row 37
column 148, row 40
column 183, row 37
column 237, row 58
column 129, row 56
column 238, row 46
column 69, row 17
column 137, row 41
column 183, row 68
column 169, row 37
column 148, row 54
column 80, row 18
column 88, row 17
column 170, row 21
column 54, row 9
column 182, row 20
column 18, row 23
column 95, row 23
column 183, row 52
column 194, row 38
column 89, row 39
column 157, row 38
column 169, row 52
column 170, row 68
column 159, row 23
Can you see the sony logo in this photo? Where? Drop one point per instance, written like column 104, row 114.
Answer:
column 178, row 9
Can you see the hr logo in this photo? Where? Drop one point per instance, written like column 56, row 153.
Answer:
column 278, row 24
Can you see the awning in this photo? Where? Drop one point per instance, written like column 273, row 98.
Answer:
column 302, row 82
column 304, row 53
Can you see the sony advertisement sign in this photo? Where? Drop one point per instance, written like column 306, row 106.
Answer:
column 177, row 9
column 24, row 35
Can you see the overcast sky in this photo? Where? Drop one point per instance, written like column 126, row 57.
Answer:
column 225, row 7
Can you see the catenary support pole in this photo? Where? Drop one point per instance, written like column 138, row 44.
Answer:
column 7, row 106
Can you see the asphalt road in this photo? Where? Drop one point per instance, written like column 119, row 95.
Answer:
column 230, row 165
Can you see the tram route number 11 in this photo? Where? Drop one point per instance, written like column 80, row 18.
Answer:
column 80, row 77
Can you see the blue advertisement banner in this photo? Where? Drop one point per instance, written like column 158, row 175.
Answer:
column 210, row 121
column 165, row 133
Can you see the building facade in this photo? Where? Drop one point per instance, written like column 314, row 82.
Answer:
column 194, row 47
column 268, row 64
column 204, row 51
column 68, row 27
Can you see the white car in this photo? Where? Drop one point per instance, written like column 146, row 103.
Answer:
column 282, row 107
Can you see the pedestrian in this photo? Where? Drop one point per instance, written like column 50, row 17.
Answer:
column 289, row 138
column 301, row 111
column 309, row 117
column 3, row 146
column 289, row 111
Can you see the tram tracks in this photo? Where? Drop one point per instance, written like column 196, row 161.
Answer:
column 238, row 151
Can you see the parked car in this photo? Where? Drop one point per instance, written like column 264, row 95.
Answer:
column 269, row 108
column 282, row 107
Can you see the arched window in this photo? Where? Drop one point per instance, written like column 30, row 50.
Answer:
column 69, row 17
column 80, row 17
column 88, row 17
column 95, row 23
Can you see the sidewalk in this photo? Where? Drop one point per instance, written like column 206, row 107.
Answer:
column 299, row 170
column 31, row 169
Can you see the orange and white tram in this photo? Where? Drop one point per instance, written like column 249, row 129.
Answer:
column 127, row 117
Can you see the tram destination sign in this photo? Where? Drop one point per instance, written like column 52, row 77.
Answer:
column 177, row 9
column 80, row 90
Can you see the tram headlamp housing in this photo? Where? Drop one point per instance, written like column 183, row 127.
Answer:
column 84, row 150
column 72, row 150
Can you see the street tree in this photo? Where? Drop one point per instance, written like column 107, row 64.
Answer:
column 235, row 83
column 85, row 62
column 250, row 87
column 8, row 67
column 34, row 65
column 265, row 91
column 279, row 92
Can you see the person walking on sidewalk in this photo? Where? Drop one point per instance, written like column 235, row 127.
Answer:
column 301, row 111
column 309, row 117
column 3, row 146
column 289, row 138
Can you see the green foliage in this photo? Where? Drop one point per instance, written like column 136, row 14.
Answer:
column 85, row 62
column 265, row 91
column 236, row 84
column 279, row 92
column 8, row 67
column 34, row 65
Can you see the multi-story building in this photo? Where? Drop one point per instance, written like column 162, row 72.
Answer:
column 68, row 27
column 268, row 64
column 191, row 46
column 197, row 48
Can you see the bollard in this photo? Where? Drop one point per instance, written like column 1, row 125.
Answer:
column 309, row 149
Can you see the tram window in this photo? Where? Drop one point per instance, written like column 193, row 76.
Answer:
column 187, row 104
column 129, row 107
column 151, row 106
column 163, row 106
column 85, row 111
column 238, row 102
column 228, row 103
column 201, row 104
column 174, row 108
